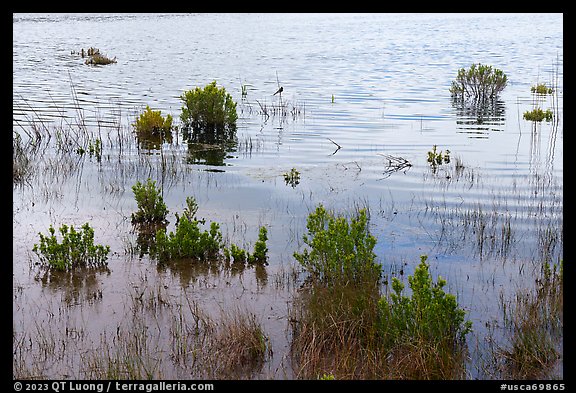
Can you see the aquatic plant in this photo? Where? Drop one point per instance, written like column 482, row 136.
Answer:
column 339, row 250
column 76, row 250
column 534, row 320
column 151, row 206
column 538, row 115
column 152, row 123
column 480, row 82
column 259, row 255
column 436, row 158
column 292, row 177
column 209, row 108
column 188, row 241
column 95, row 57
column 429, row 319
column 542, row 89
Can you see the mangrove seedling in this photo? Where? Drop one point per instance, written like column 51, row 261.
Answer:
column 209, row 108
column 480, row 82
column 151, row 206
column 76, row 250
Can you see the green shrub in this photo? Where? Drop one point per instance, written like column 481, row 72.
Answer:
column 151, row 206
column 209, row 108
column 339, row 250
column 542, row 89
column 538, row 115
column 152, row 123
column 430, row 315
column 76, row 250
column 188, row 241
column 480, row 82
column 239, row 255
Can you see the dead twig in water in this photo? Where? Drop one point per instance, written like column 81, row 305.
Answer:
column 337, row 145
column 395, row 164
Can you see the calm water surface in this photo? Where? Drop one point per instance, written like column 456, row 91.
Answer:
column 360, row 87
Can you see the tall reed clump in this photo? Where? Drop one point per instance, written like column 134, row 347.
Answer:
column 343, row 326
column 76, row 250
column 210, row 108
column 534, row 321
column 480, row 82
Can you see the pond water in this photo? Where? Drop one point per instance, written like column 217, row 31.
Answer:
column 358, row 90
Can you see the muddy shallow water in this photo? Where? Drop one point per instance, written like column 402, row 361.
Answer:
column 357, row 90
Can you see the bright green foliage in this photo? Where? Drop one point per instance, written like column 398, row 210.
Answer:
column 188, row 241
column 76, row 250
column 209, row 108
column 151, row 206
column 538, row 115
column 152, row 123
column 542, row 89
column 480, row 82
column 260, row 248
column 239, row 255
column 430, row 315
column 340, row 251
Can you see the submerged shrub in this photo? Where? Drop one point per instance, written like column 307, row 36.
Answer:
column 151, row 206
column 188, row 241
column 152, row 123
column 538, row 115
column 429, row 314
column 480, row 82
column 542, row 89
column 209, row 108
column 339, row 250
column 77, row 249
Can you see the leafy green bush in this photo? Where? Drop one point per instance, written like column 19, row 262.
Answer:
column 542, row 89
column 339, row 250
column 188, row 241
column 259, row 255
column 209, row 108
column 76, row 250
column 430, row 315
column 151, row 206
column 153, row 123
column 538, row 115
column 480, row 82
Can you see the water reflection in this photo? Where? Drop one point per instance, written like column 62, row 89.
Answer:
column 77, row 286
column 210, row 146
column 479, row 117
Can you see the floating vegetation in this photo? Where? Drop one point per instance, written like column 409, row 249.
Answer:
column 94, row 57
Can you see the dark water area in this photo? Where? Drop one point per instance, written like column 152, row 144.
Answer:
column 358, row 89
